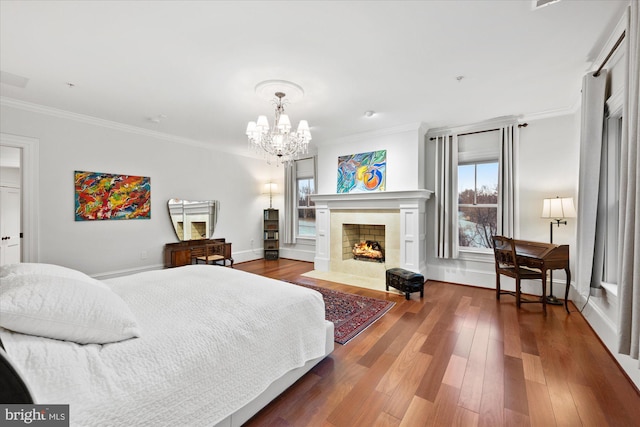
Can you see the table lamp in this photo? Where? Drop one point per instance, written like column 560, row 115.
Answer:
column 270, row 188
column 557, row 209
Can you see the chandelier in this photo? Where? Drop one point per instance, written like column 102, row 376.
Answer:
column 278, row 143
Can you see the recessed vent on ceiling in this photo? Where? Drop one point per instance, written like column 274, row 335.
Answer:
column 537, row 4
column 13, row 79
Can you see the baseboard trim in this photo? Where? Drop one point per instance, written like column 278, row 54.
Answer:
column 297, row 254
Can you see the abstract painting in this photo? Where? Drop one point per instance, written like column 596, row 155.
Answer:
column 108, row 196
column 358, row 173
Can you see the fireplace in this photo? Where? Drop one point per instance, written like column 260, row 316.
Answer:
column 401, row 214
column 363, row 242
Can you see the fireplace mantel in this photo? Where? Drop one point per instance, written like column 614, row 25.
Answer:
column 371, row 200
column 409, row 205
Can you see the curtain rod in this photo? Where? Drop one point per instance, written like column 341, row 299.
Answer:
column 613, row 49
column 521, row 125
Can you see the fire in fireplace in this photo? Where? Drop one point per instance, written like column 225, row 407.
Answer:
column 369, row 250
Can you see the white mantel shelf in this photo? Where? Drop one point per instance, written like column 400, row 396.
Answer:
column 411, row 205
column 371, row 200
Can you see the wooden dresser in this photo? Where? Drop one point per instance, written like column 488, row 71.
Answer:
column 179, row 254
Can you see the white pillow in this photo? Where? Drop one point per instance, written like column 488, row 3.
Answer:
column 47, row 270
column 65, row 309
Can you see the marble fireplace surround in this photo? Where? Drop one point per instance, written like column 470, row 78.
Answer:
column 402, row 213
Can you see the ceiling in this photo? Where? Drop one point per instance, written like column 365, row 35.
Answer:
column 197, row 63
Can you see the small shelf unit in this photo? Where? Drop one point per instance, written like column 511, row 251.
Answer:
column 271, row 229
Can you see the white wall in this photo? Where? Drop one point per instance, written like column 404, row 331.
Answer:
column 177, row 170
column 403, row 159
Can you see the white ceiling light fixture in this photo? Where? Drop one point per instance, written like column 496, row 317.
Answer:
column 279, row 143
column 157, row 119
column 537, row 4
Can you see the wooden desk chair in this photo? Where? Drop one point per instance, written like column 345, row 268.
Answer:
column 504, row 250
column 208, row 254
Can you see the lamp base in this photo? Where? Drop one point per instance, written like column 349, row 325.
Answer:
column 553, row 300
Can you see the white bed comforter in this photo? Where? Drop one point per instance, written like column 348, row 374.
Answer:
column 213, row 338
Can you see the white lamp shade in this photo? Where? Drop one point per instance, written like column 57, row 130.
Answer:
column 251, row 128
column 270, row 188
column 303, row 131
column 263, row 123
column 303, row 127
column 284, row 123
column 558, row 208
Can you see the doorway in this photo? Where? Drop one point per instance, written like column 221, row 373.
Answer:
column 10, row 205
column 27, row 197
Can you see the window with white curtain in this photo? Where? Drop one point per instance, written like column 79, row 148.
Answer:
column 611, row 188
column 305, row 207
column 476, row 195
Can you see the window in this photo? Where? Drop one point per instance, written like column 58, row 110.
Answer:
column 611, row 162
column 306, row 208
column 477, row 203
column 479, row 165
column 305, row 214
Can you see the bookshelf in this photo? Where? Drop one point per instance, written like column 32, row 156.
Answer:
column 271, row 229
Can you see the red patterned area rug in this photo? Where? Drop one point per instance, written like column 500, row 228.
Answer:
column 350, row 313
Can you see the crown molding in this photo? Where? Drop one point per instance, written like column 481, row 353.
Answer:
column 620, row 28
column 486, row 124
column 557, row 112
column 83, row 118
column 409, row 127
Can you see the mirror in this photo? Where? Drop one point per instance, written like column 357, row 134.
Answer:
column 193, row 220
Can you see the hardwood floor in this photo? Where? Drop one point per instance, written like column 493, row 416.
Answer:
column 458, row 357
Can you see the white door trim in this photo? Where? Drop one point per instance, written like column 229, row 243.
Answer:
column 30, row 194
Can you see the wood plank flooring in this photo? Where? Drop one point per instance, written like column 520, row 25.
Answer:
column 458, row 357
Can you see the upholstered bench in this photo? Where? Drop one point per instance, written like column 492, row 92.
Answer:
column 405, row 281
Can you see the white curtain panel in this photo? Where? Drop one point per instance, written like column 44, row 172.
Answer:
column 629, row 232
column 290, row 198
column 447, row 196
column 593, row 101
column 506, row 181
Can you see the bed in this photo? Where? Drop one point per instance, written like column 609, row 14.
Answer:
column 194, row 345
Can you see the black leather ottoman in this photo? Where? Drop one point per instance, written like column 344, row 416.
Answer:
column 405, row 281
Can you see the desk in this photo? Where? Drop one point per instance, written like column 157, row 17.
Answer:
column 545, row 256
column 179, row 254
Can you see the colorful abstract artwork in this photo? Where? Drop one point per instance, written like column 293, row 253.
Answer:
column 108, row 196
column 358, row 173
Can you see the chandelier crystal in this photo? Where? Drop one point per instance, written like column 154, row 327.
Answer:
column 278, row 143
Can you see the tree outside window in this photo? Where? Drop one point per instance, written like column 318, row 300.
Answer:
column 306, row 208
column 477, row 204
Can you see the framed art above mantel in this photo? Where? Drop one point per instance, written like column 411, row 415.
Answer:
column 362, row 172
